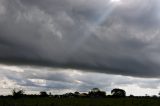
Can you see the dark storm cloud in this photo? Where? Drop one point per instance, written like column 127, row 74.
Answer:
column 101, row 36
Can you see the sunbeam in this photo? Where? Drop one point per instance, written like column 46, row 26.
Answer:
column 103, row 16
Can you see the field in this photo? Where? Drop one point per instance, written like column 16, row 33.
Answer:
column 80, row 102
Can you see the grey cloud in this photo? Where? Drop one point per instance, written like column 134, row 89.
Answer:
column 30, row 79
column 91, row 35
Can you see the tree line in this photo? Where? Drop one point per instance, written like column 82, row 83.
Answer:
column 93, row 93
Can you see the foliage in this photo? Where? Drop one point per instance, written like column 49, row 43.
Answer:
column 43, row 94
column 69, row 95
column 118, row 92
column 95, row 92
column 17, row 93
column 95, row 97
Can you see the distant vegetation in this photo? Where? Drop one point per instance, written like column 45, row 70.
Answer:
column 93, row 93
column 95, row 97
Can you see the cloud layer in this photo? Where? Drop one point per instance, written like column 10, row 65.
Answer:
column 33, row 80
column 101, row 36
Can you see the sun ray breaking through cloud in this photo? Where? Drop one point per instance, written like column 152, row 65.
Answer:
column 102, row 16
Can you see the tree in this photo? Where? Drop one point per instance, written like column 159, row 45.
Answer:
column 118, row 92
column 131, row 95
column 43, row 94
column 69, row 95
column 76, row 94
column 17, row 93
column 95, row 92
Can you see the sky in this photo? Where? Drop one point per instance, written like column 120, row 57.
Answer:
column 76, row 45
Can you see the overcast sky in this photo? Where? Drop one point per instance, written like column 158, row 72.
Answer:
column 68, row 45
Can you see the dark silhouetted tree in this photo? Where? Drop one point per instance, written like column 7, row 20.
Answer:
column 17, row 93
column 118, row 92
column 76, row 94
column 43, row 94
column 95, row 92
column 69, row 95
column 131, row 95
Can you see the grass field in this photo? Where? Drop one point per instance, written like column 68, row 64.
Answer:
column 80, row 102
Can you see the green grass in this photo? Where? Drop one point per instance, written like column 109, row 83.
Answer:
column 80, row 102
